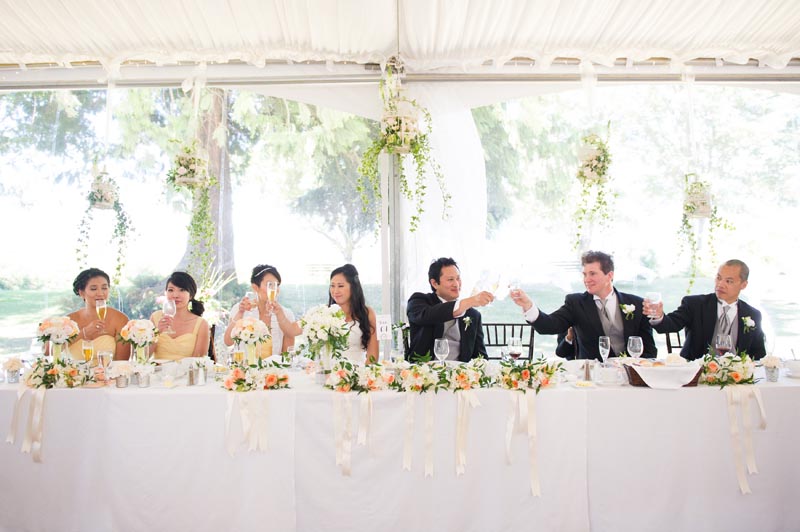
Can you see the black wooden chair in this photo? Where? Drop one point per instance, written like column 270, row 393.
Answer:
column 212, row 352
column 674, row 344
column 497, row 335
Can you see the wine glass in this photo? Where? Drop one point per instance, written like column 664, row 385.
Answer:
column 652, row 299
column 252, row 297
column 272, row 291
column 170, row 310
column 514, row 348
column 102, row 308
column 604, row 345
column 635, row 346
column 105, row 358
column 441, row 349
column 723, row 344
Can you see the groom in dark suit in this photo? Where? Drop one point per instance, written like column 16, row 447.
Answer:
column 442, row 314
column 600, row 311
column 705, row 316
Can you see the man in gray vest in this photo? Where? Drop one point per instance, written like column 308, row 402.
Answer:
column 600, row 311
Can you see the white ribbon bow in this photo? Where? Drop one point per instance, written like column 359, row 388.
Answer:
column 523, row 407
column 467, row 399
column 742, row 440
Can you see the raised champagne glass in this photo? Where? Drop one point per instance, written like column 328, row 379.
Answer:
column 170, row 310
column 272, row 291
column 102, row 309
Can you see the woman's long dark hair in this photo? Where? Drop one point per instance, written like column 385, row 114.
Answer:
column 358, row 306
column 185, row 281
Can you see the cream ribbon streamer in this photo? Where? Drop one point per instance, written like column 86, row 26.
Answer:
column 254, row 416
column 365, row 420
column 428, row 435
column 12, row 430
column 34, row 433
column 342, row 431
column 523, row 407
column 466, row 401
column 742, row 440
column 408, row 439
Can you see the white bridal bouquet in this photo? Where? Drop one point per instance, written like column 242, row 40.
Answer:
column 325, row 326
column 250, row 331
column 58, row 329
column 139, row 333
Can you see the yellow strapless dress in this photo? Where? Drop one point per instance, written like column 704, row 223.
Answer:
column 105, row 342
column 169, row 348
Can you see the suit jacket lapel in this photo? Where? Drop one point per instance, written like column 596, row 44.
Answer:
column 742, row 343
column 590, row 308
column 710, row 315
column 627, row 325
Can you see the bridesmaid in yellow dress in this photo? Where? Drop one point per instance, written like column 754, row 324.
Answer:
column 92, row 285
column 186, row 334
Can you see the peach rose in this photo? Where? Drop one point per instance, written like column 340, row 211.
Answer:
column 52, row 371
column 228, row 383
column 237, row 374
column 526, row 374
column 271, row 381
column 713, row 367
column 736, row 376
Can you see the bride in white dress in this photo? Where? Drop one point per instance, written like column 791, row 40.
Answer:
column 346, row 291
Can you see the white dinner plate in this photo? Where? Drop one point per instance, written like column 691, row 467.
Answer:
column 792, row 376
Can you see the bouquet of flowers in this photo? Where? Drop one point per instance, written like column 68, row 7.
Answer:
column 594, row 159
column 262, row 376
column 189, row 167
column 420, row 378
column 58, row 329
column 104, row 192
column 374, row 377
column 138, row 333
column 343, row 377
column 542, row 373
column 12, row 364
column 325, row 326
column 57, row 374
column 250, row 331
column 466, row 376
column 727, row 369
column 514, row 376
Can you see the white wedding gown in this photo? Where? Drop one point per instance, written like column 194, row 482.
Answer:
column 355, row 352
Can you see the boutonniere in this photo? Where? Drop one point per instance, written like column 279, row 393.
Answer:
column 467, row 322
column 749, row 324
column 628, row 310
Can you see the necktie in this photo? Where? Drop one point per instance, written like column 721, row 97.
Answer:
column 724, row 322
column 617, row 338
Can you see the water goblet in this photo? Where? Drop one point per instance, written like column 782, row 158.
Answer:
column 604, row 345
column 652, row 299
column 170, row 310
column 105, row 358
column 723, row 344
column 441, row 349
column 635, row 346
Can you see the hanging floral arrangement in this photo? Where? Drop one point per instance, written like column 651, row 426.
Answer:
column 189, row 172
column 104, row 195
column 401, row 135
column 697, row 206
column 594, row 159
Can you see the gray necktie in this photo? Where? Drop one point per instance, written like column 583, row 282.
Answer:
column 724, row 325
column 617, row 339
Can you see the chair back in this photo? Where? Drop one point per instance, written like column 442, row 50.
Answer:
column 212, row 351
column 676, row 343
column 497, row 335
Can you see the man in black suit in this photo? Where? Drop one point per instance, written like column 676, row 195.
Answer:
column 706, row 316
column 600, row 311
column 442, row 314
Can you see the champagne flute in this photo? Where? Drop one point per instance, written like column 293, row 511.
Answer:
column 102, row 309
column 514, row 348
column 87, row 347
column 635, row 346
column 170, row 310
column 723, row 344
column 238, row 354
column 252, row 298
column 604, row 345
column 652, row 299
column 272, row 291
column 441, row 349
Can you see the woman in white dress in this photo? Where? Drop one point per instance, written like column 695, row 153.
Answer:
column 346, row 291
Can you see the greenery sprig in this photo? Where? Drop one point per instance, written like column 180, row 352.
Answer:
column 104, row 193
column 400, row 135
column 595, row 158
column 697, row 205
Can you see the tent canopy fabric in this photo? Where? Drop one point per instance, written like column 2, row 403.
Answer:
column 432, row 34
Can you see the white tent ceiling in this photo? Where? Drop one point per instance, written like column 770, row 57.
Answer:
column 43, row 40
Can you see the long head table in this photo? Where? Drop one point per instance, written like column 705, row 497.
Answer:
column 609, row 459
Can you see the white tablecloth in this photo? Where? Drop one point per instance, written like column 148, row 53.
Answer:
column 610, row 459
